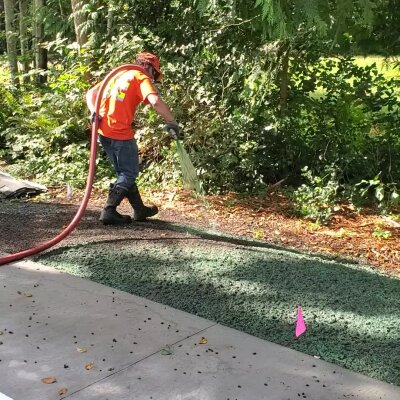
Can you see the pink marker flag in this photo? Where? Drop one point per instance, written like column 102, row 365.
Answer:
column 300, row 324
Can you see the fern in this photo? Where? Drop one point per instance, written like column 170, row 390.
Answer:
column 367, row 12
column 313, row 14
column 202, row 5
column 282, row 18
column 343, row 11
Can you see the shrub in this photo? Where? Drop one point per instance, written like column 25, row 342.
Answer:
column 316, row 199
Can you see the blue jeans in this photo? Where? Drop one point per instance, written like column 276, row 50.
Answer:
column 124, row 156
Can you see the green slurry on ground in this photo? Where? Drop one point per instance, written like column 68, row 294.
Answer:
column 352, row 313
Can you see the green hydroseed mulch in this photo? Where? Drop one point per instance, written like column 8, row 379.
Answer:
column 352, row 313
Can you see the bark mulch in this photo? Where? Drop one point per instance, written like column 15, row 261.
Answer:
column 364, row 236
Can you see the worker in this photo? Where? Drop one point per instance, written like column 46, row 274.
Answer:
column 122, row 95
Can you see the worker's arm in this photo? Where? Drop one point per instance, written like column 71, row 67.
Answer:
column 163, row 110
column 89, row 100
column 91, row 96
column 160, row 107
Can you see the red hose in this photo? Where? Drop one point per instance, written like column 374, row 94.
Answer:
column 92, row 167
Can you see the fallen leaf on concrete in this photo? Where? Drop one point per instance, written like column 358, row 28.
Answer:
column 62, row 391
column 24, row 294
column 203, row 340
column 89, row 366
column 81, row 350
column 166, row 351
column 49, row 380
column 1, row 332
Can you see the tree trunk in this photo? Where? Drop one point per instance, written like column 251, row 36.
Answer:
column 23, row 36
column 11, row 39
column 38, row 30
column 79, row 22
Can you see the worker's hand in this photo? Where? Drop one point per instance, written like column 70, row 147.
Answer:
column 173, row 130
column 93, row 118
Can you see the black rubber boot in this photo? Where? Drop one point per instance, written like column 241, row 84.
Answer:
column 110, row 215
column 140, row 211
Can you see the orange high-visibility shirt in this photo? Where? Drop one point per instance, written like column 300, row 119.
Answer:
column 121, row 97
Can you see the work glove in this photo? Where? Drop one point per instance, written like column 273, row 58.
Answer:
column 173, row 130
column 93, row 118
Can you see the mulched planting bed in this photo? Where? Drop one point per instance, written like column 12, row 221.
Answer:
column 352, row 310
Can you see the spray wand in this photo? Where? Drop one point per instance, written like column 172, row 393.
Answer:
column 189, row 174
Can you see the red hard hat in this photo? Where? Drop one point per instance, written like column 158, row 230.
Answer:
column 146, row 57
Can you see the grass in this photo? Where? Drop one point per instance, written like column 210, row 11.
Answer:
column 387, row 69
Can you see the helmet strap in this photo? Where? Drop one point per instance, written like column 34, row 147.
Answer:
column 156, row 74
column 152, row 72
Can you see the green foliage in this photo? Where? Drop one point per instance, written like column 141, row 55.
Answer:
column 164, row 167
column 69, row 166
column 384, row 37
column 201, row 84
column 346, row 115
column 316, row 199
column 381, row 234
column 385, row 195
column 338, row 113
column 223, row 81
column 8, row 108
column 47, row 132
column 283, row 19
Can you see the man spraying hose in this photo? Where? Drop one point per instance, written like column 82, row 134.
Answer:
column 119, row 102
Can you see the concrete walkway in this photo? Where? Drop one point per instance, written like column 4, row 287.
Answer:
column 100, row 343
